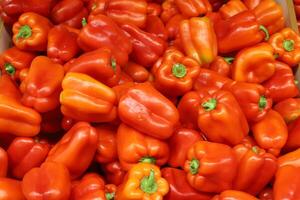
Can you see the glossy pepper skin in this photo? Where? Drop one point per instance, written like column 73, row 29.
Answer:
column 222, row 65
column 42, row 94
column 220, row 117
column 270, row 14
column 9, row 88
column 199, row 39
column 62, row 44
column 128, row 11
column 291, row 158
column 286, row 44
column 69, row 12
column 153, row 113
column 179, row 186
column 156, row 26
column 232, row 8
column 253, row 99
column 99, row 64
column 193, row 8
column 50, row 181
column 31, row 32
column 86, row 99
column 254, row 64
column 96, row 7
column 3, row 162
column 282, row 84
column 172, row 26
column 25, row 153
column 174, row 73
column 143, row 182
column 102, row 31
column 288, row 109
column 287, row 183
column 107, row 144
column 146, row 47
column 292, row 142
column 179, row 143
column 137, row 72
column 242, row 27
column 266, row 194
column 11, row 189
column 234, row 195
column 13, row 60
column 169, row 9
column 113, row 172
column 210, row 167
column 76, row 149
column 271, row 132
column 16, row 119
column 153, row 9
column 255, row 168
column 134, row 147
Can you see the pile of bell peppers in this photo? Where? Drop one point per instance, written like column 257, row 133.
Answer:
column 149, row 100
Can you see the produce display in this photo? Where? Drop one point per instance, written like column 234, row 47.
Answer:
column 149, row 100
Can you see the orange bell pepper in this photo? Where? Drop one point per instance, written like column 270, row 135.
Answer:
column 113, row 172
column 137, row 72
column 107, row 144
column 76, row 149
column 288, row 109
column 17, row 119
column 199, row 39
column 143, row 182
column 13, row 60
column 254, row 64
column 287, row 183
column 134, row 147
column 99, row 64
column 293, row 141
column 233, row 195
column 11, row 189
column 25, row 153
column 3, row 163
column 84, row 98
column 255, row 168
column 31, row 32
column 286, row 44
column 193, row 8
column 210, row 167
column 153, row 113
column 42, row 94
column 222, row 65
column 220, row 117
column 9, row 88
column 231, row 8
column 174, row 74
column 50, row 181
column 271, row 132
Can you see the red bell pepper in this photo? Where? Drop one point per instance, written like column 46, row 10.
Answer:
column 169, row 9
column 148, row 111
column 146, row 47
column 253, row 99
column 134, row 147
column 193, row 8
column 50, row 181
column 155, row 26
column 222, row 65
column 282, row 84
column 31, row 32
column 51, row 121
column 13, row 60
column 271, row 132
column 232, row 8
column 153, row 9
column 62, row 44
column 9, row 88
column 210, row 167
column 266, row 194
column 128, row 11
column 107, row 144
column 113, row 172
column 292, row 142
column 69, row 12
column 3, row 162
column 234, row 195
column 43, row 93
column 96, row 7
column 102, row 31
column 75, row 149
column 180, row 142
column 288, row 109
column 25, row 153
column 180, row 189
column 137, row 72
column 99, row 64
column 11, row 189
column 172, row 26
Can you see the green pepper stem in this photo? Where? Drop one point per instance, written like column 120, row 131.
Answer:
column 194, row 166
column 296, row 82
column 255, row 150
column 9, row 68
column 211, row 104
column 179, row 70
column 266, row 32
column 288, row 45
column 113, row 64
column 229, row 60
column 84, row 22
column 149, row 160
column 110, row 196
column 148, row 183
column 262, row 103
column 24, row 32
